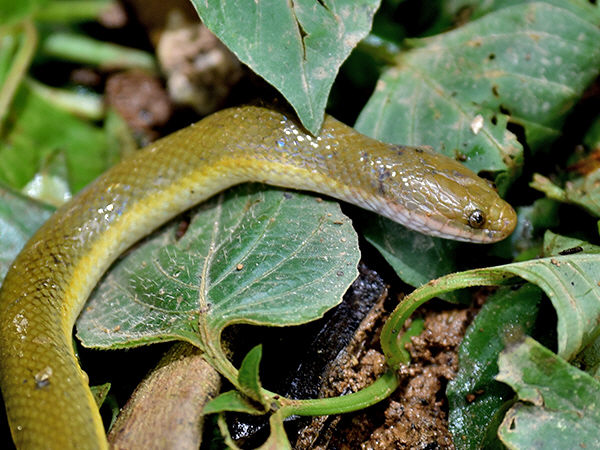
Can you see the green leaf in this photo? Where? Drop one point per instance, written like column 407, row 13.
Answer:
column 559, row 403
column 231, row 401
column 248, row 375
column 100, row 392
column 526, row 64
column 277, row 439
column 555, row 244
column 20, row 217
column 296, row 46
column 415, row 257
column 36, row 130
column 583, row 191
column 588, row 358
column 477, row 8
column 570, row 281
column 476, row 399
column 250, row 255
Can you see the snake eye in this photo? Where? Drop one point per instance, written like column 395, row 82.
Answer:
column 476, row 219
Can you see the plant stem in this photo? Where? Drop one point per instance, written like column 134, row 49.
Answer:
column 392, row 346
column 18, row 68
column 381, row 49
column 82, row 49
column 382, row 388
column 72, row 11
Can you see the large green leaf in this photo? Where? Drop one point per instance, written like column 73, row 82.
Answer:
column 527, row 63
column 569, row 280
column 296, row 46
column 589, row 357
column 251, row 255
column 559, row 403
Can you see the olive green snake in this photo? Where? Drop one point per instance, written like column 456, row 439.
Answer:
column 48, row 401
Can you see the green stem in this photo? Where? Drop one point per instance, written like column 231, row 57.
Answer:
column 382, row 388
column 82, row 49
column 18, row 69
column 381, row 49
column 214, row 355
column 72, row 11
column 392, row 345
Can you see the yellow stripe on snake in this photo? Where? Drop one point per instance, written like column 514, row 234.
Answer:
column 47, row 397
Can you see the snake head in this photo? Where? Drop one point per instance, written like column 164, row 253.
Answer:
column 433, row 194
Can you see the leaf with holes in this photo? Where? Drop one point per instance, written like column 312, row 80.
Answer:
column 296, row 46
column 582, row 191
column 250, row 255
column 526, row 64
column 559, row 403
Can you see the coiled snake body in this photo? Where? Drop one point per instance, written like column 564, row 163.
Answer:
column 48, row 401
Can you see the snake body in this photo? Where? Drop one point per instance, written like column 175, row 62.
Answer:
column 48, row 401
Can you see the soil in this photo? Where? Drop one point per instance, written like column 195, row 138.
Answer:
column 415, row 416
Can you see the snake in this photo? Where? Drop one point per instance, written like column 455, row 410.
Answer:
column 46, row 393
